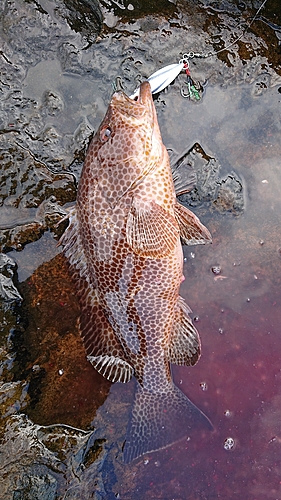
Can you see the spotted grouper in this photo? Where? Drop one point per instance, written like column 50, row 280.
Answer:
column 123, row 244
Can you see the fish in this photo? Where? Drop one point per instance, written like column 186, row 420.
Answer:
column 124, row 249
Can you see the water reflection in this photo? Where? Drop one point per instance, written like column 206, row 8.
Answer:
column 237, row 310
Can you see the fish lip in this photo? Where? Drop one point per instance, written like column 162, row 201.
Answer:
column 145, row 94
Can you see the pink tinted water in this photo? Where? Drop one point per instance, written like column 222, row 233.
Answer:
column 233, row 288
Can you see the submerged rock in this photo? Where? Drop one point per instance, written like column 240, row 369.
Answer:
column 207, row 187
column 48, row 391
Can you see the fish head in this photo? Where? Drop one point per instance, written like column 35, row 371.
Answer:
column 128, row 144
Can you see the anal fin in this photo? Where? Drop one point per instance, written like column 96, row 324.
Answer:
column 184, row 347
column 192, row 231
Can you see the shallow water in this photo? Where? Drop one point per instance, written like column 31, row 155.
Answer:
column 54, row 94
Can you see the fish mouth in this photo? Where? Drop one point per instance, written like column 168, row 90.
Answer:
column 144, row 96
column 138, row 105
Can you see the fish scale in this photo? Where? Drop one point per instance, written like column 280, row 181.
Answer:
column 124, row 250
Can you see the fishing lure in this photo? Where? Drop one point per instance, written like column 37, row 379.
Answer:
column 193, row 90
column 164, row 76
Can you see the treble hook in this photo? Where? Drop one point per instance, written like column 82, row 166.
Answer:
column 191, row 92
column 184, row 94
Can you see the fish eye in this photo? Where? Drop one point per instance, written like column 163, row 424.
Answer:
column 105, row 133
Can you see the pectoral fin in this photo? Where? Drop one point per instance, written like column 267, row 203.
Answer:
column 184, row 347
column 192, row 232
column 184, row 178
column 151, row 231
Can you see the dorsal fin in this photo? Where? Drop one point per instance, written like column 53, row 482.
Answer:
column 151, row 230
column 192, row 231
column 184, row 347
column 103, row 349
column 73, row 247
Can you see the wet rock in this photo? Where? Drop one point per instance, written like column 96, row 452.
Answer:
column 30, row 196
column 8, row 291
column 127, row 9
column 13, row 397
column 34, row 486
column 22, row 226
column 44, row 373
column 52, row 103
column 261, row 84
column 26, row 182
column 10, row 322
column 84, row 17
column 48, row 462
column 32, row 36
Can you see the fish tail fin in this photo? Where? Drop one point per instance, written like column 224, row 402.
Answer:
column 159, row 420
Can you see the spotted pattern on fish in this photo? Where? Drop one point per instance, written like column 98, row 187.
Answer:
column 124, row 249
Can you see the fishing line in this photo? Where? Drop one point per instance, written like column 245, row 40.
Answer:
column 210, row 54
column 191, row 90
column 195, row 90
